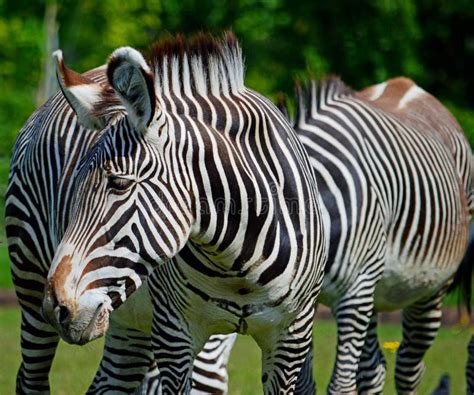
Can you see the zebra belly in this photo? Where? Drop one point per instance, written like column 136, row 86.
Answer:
column 220, row 317
column 403, row 284
column 232, row 304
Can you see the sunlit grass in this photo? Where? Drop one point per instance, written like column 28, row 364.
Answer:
column 74, row 366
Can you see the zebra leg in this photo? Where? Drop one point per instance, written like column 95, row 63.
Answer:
column 306, row 384
column 421, row 322
column 127, row 359
column 470, row 367
column 372, row 365
column 209, row 372
column 29, row 257
column 174, row 342
column 38, row 346
column 175, row 347
column 284, row 353
column 177, row 341
column 151, row 382
column 353, row 315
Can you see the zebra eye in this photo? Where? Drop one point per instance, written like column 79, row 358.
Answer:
column 119, row 183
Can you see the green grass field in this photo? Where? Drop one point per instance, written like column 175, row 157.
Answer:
column 75, row 366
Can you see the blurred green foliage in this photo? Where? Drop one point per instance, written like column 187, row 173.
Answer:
column 363, row 41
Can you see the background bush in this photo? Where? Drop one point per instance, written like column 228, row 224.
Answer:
column 431, row 41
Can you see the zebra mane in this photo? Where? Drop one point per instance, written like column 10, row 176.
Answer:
column 312, row 98
column 201, row 65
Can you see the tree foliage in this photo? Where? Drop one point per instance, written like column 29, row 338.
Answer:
column 363, row 41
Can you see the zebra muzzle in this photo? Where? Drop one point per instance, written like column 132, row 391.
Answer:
column 76, row 323
column 84, row 329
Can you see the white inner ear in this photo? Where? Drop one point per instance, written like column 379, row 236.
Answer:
column 82, row 97
column 86, row 95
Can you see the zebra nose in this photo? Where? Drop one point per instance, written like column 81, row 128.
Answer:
column 63, row 315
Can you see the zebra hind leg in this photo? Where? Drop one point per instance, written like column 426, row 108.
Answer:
column 421, row 322
column 372, row 365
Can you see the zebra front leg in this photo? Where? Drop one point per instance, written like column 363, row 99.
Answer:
column 209, row 372
column 175, row 344
column 126, row 360
column 353, row 314
column 128, row 365
column 174, row 350
column 421, row 322
column 372, row 365
column 38, row 346
column 305, row 384
column 284, row 353
column 151, row 382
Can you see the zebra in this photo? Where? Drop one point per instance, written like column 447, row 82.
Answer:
column 39, row 198
column 395, row 174
column 203, row 190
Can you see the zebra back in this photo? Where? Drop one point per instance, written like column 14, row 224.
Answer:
column 390, row 163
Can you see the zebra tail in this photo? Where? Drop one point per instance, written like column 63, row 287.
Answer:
column 462, row 283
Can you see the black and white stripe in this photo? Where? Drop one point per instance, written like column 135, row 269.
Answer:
column 204, row 189
column 395, row 173
column 39, row 199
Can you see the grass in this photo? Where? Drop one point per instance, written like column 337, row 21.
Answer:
column 74, row 366
column 5, row 275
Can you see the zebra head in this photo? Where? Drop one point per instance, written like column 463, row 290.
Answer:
column 132, row 208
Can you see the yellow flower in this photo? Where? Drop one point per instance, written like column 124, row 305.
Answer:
column 391, row 346
column 464, row 319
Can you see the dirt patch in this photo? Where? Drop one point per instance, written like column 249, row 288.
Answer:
column 451, row 316
column 8, row 298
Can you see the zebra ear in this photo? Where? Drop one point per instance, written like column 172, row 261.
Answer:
column 81, row 92
column 133, row 81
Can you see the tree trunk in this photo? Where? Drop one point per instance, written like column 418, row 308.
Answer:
column 48, row 84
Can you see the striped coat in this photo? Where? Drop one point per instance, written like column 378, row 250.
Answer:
column 395, row 174
column 204, row 180
column 39, row 199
